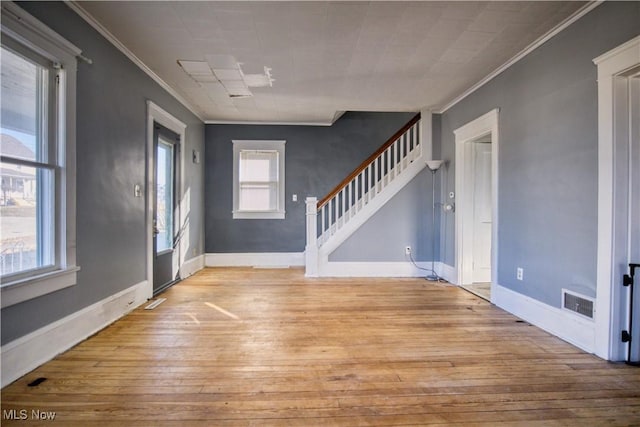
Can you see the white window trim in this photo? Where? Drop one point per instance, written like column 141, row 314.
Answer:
column 275, row 145
column 33, row 34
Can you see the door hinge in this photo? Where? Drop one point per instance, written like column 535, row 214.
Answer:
column 627, row 280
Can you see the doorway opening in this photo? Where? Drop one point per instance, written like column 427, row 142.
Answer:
column 165, row 191
column 618, row 199
column 165, row 208
column 476, row 195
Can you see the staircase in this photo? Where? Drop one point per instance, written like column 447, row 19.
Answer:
column 360, row 195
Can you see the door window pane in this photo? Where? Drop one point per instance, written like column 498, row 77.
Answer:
column 164, row 196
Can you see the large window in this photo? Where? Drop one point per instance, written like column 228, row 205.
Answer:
column 28, row 163
column 37, row 158
column 258, row 190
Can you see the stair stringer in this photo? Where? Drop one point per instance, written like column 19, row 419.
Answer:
column 366, row 212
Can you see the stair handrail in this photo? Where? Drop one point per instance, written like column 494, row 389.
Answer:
column 367, row 161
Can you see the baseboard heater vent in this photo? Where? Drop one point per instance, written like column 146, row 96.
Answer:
column 155, row 303
column 577, row 303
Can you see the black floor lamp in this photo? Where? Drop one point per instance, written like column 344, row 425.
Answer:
column 433, row 166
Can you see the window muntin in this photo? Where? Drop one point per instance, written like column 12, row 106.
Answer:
column 258, row 191
column 27, row 193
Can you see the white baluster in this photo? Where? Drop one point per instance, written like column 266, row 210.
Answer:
column 350, row 187
column 334, row 224
column 388, row 152
column 370, row 179
column 398, row 163
column 360, row 196
column 344, row 205
column 323, row 211
column 419, row 141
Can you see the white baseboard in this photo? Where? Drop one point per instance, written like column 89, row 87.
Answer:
column 563, row 324
column 373, row 269
column 191, row 266
column 385, row 269
column 447, row 272
column 26, row 353
column 258, row 259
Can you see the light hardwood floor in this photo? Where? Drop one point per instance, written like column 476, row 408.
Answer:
column 269, row 347
column 483, row 290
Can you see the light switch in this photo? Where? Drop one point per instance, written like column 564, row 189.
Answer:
column 294, row 198
column 137, row 190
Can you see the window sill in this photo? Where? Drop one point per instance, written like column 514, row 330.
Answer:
column 25, row 289
column 258, row 215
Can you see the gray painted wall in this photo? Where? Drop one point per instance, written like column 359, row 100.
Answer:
column 548, row 155
column 405, row 220
column 317, row 159
column 111, row 144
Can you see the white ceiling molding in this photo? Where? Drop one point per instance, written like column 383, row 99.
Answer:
column 336, row 116
column 533, row 46
column 122, row 48
column 235, row 122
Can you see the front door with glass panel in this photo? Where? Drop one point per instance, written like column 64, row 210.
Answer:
column 164, row 208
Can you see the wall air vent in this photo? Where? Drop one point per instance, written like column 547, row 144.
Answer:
column 577, row 303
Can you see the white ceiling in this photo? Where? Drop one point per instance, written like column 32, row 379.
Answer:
column 328, row 57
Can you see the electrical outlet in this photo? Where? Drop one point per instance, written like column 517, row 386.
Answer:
column 407, row 250
column 519, row 273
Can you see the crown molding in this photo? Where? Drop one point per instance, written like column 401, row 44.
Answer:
column 73, row 5
column 238, row 122
column 527, row 50
column 336, row 117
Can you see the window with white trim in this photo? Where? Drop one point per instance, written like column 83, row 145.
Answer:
column 258, row 179
column 37, row 158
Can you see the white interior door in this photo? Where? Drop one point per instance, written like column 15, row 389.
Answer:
column 482, row 212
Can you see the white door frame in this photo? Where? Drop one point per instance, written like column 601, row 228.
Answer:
column 611, row 106
column 156, row 114
column 486, row 124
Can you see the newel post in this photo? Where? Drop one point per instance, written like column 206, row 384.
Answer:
column 311, row 250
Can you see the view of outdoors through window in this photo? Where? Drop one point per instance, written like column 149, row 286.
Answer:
column 258, row 180
column 26, row 213
column 164, row 196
